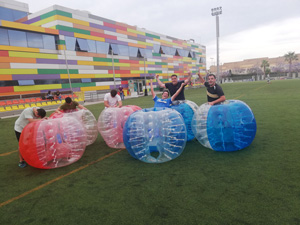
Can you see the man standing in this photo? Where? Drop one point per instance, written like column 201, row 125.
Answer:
column 175, row 85
column 121, row 92
column 28, row 115
column 215, row 94
column 112, row 99
column 69, row 105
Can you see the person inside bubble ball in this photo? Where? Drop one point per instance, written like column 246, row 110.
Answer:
column 175, row 85
column 112, row 99
column 69, row 105
column 28, row 115
column 215, row 94
column 164, row 101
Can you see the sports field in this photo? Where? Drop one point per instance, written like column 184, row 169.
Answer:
column 257, row 185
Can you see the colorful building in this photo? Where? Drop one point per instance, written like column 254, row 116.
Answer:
column 64, row 49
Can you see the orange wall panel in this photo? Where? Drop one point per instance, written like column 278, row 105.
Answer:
column 4, row 65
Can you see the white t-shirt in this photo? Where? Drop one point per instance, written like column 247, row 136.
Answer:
column 112, row 101
column 22, row 121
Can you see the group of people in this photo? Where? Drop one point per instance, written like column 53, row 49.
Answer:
column 215, row 95
column 33, row 114
column 51, row 96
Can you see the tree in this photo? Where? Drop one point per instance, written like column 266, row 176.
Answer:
column 264, row 64
column 290, row 57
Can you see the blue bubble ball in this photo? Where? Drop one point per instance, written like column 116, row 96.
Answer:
column 229, row 126
column 155, row 135
column 186, row 109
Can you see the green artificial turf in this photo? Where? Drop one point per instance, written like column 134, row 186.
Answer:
column 257, row 185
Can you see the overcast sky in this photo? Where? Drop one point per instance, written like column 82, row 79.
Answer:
column 248, row 28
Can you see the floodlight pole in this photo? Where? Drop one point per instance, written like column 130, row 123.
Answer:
column 113, row 66
column 67, row 65
column 216, row 12
column 146, row 91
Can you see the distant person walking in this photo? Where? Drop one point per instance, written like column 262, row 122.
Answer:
column 121, row 92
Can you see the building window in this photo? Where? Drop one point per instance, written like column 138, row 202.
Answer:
column 25, row 82
column 82, row 45
column 133, row 51
column 17, row 38
column 4, row 37
column 49, row 42
column 34, row 40
column 156, row 48
column 70, row 43
column 114, row 48
column 102, row 47
column 123, row 50
column 92, row 46
column 172, row 51
column 86, row 80
column 11, row 14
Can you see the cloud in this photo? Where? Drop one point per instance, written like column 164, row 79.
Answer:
column 272, row 40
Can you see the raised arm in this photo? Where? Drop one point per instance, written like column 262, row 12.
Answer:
column 177, row 92
column 152, row 91
column 81, row 107
column 161, row 84
column 201, row 78
column 188, row 79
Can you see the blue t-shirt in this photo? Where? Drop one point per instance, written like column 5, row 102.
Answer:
column 158, row 102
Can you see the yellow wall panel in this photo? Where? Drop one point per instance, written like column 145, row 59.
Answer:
column 80, row 62
column 18, row 71
column 32, row 55
column 137, row 71
column 145, row 43
column 22, row 49
column 21, row 26
column 85, row 36
column 106, row 75
column 106, row 87
column 77, row 76
column 136, row 31
column 37, row 87
column 41, row 22
column 71, row 20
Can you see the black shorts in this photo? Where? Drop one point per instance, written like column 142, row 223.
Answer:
column 18, row 134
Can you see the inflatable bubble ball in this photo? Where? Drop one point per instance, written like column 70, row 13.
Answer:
column 186, row 109
column 229, row 126
column 52, row 143
column 111, row 122
column 88, row 120
column 155, row 135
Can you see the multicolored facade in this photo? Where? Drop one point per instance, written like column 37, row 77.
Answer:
column 50, row 49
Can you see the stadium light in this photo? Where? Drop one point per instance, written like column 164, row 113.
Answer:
column 216, row 12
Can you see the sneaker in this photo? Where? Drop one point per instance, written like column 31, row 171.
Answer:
column 22, row 164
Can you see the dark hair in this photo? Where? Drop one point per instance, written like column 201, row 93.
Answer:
column 174, row 75
column 113, row 93
column 41, row 112
column 212, row 75
column 49, row 92
column 165, row 90
column 68, row 100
